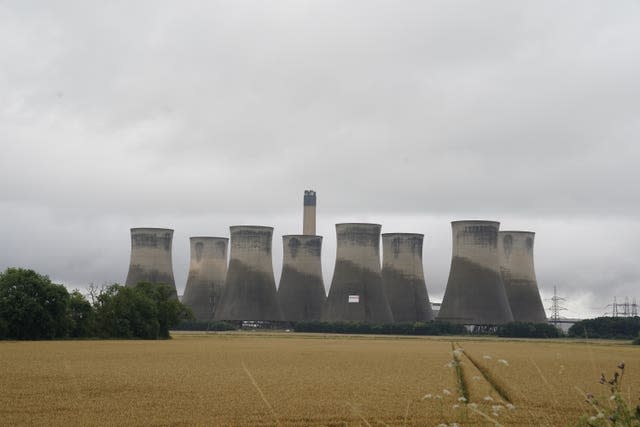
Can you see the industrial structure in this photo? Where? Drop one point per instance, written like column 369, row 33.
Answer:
column 475, row 294
column 309, row 214
column 151, row 257
column 249, row 289
column 356, row 292
column 207, row 272
column 515, row 252
column 403, row 277
column 301, row 291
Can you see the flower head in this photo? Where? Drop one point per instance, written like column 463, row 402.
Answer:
column 462, row 399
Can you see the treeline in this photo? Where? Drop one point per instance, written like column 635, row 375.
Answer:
column 528, row 330
column 192, row 325
column 606, row 327
column 34, row 308
column 419, row 328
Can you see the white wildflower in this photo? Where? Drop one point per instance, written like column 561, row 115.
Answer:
column 456, row 406
column 438, row 396
column 496, row 408
column 592, row 418
column 449, row 365
column 427, row 396
column 473, row 405
column 442, row 425
column 600, row 415
column 510, row 406
column 457, row 353
column 504, row 362
column 486, row 356
column 453, row 425
column 446, row 392
column 612, row 397
column 462, row 399
column 488, row 398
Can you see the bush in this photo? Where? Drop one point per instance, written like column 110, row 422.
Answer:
column 528, row 330
column 606, row 327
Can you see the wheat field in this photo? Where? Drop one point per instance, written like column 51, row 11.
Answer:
column 258, row 378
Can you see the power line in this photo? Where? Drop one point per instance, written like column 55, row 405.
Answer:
column 623, row 309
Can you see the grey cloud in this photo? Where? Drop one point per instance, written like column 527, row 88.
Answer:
column 206, row 114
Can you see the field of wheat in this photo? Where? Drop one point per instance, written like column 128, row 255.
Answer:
column 290, row 379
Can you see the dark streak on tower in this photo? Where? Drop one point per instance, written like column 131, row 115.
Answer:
column 475, row 293
column 250, row 289
column 301, row 292
column 207, row 272
column 403, row 277
column 515, row 249
column 356, row 292
column 151, row 257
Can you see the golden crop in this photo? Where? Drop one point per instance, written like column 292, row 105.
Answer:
column 294, row 379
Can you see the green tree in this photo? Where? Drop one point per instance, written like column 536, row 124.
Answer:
column 145, row 311
column 81, row 316
column 31, row 306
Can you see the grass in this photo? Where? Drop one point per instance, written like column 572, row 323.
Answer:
column 285, row 379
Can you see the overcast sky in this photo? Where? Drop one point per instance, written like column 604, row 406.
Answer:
column 200, row 115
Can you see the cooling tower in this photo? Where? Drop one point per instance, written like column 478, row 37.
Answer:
column 249, row 289
column 151, row 257
column 356, row 292
column 301, row 290
column 309, row 215
column 403, row 277
column 207, row 271
column 515, row 250
column 475, row 293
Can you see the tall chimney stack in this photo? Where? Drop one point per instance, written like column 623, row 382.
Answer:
column 309, row 219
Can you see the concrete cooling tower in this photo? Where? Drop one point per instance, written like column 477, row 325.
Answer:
column 475, row 293
column 151, row 257
column 250, row 289
column 207, row 271
column 515, row 250
column 301, row 291
column 356, row 292
column 403, row 277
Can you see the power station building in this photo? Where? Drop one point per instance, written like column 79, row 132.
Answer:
column 207, row 272
column 151, row 257
column 515, row 249
column 475, row 294
column 356, row 292
column 249, row 289
column 403, row 277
